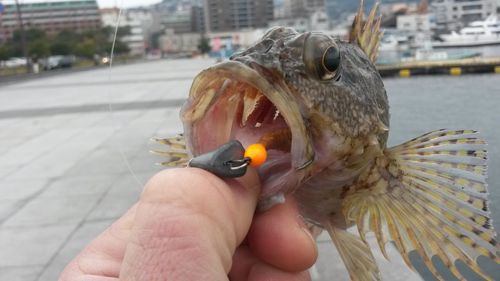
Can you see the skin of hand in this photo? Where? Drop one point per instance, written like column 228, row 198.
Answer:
column 192, row 225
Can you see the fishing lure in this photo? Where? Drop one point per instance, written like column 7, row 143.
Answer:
column 231, row 160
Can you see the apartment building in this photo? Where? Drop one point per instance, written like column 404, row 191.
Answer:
column 51, row 17
column 227, row 15
column 453, row 14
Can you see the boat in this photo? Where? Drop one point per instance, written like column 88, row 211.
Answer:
column 477, row 33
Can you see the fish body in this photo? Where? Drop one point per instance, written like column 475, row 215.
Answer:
column 320, row 105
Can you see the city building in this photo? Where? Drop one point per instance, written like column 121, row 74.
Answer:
column 179, row 43
column 453, row 14
column 51, row 17
column 414, row 22
column 227, row 15
column 301, row 8
column 317, row 21
column 184, row 20
column 139, row 20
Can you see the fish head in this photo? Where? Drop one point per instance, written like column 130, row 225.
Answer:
column 303, row 94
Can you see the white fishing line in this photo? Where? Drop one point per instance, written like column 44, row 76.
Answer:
column 114, row 123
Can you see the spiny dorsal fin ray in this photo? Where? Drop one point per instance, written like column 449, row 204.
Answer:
column 366, row 33
column 429, row 195
column 176, row 154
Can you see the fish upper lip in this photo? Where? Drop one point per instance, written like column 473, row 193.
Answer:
column 199, row 102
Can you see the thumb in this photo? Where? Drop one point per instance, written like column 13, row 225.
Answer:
column 188, row 224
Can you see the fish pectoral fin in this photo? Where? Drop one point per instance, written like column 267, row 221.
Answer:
column 356, row 255
column 176, row 153
column 428, row 195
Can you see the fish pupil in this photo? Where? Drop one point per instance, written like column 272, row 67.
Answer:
column 331, row 59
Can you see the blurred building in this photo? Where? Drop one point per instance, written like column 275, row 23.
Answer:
column 138, row 20
column 317, row 21
column 184, row 43
column 453, row 14
column 414, row 22
column 184, row 20
column 227, row 15
column 51, row 17
column 302, row 8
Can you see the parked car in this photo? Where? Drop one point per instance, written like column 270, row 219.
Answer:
column 55, row 62
column 14, row 62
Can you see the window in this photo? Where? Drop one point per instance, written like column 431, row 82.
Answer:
column 472, row 7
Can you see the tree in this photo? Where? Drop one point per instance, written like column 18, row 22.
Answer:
column 204, row 45
column 121, row 48
column 123, row 31
column 61, row 48
column 5, row 52
column 39, row 48
column 86, row 49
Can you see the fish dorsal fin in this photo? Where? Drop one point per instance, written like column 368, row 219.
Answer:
column 366, row 33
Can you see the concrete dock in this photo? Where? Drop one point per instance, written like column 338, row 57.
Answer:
column 446, row 67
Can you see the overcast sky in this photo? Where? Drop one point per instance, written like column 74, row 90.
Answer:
column 125, row 3
column 102, row 3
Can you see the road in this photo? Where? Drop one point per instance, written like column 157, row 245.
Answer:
column 70, row 166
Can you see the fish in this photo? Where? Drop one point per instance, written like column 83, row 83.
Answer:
column 320, row 106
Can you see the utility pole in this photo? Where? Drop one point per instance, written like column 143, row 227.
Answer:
column 24, row 45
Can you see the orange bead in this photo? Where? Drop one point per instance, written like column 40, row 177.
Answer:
column 257, row 153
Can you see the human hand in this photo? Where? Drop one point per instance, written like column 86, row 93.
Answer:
column 191, row 225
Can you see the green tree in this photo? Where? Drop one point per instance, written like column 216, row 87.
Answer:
column 121, row 48
column 86, row 49
column 123, row 31
column 5, row 52
column 204, row 45
column 61, row 48
column 39, row 48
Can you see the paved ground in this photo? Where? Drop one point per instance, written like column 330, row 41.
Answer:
column 62, row 171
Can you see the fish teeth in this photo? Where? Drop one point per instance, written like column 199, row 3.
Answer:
column 251, row 100
column 276, row 114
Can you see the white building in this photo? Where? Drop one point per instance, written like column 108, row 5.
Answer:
column 414, row 22
column 317, row 21
column 453, row 14
column 174, row 43
column 138, row 20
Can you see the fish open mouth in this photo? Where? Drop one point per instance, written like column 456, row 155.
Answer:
column 234, row 101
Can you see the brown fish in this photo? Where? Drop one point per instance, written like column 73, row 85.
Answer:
column 319, row 105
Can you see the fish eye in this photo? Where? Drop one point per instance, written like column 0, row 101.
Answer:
column 331, row 59
column 321, row 57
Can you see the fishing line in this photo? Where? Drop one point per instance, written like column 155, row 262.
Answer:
column 114, row 124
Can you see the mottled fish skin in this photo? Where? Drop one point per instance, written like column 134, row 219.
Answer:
column 354, row 104
column 352, row 108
